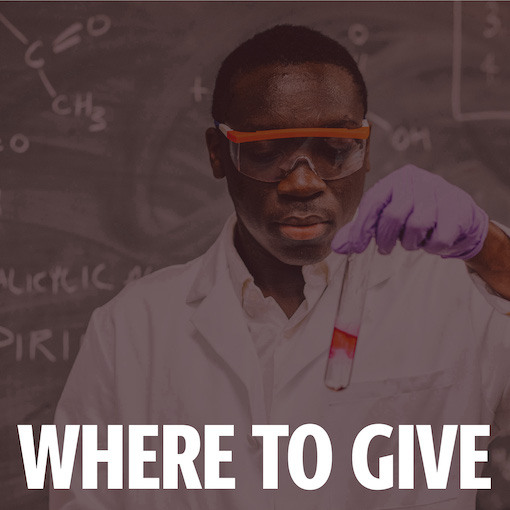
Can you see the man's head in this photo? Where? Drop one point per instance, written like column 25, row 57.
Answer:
column 289, row 77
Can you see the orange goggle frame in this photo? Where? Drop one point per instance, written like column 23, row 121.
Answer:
column 361, row 133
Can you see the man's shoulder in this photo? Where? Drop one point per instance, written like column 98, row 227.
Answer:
column 172, row 290
column 167, row 277
column 165, row 287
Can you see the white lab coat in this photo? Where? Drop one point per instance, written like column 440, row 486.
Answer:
column 174, row 348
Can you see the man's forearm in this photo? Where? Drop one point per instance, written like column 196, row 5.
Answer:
column 493, row 261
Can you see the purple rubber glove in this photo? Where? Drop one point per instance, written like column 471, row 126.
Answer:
column 422, row 210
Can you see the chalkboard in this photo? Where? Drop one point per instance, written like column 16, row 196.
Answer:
column 103, row 169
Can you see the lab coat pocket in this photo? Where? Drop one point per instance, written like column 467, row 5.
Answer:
column 437, row 398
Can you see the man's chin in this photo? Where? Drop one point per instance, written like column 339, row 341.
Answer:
column 303, row 253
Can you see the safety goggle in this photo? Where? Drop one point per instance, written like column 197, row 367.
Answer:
column 271, row 155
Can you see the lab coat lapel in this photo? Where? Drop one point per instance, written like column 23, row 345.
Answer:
column 220, row 320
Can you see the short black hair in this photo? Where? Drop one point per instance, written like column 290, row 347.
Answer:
column 282, row 44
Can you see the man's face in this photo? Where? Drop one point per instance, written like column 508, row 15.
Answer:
column 294, row 220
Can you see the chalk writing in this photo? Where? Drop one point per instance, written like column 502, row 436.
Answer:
column 17, row 143
column 96, row 26
column 68, row 38
column 55, row 280
column 137, row 272
column 46, row 82
column 81, row 105
column 14, row 31
column 41, row 344
column 489, row 66
column 63, row 280
column 31, row 59
column 493, row 23
column 35, row 58
column 198, row 90
column 404, row 138
column 491, row 30
column 359, row 34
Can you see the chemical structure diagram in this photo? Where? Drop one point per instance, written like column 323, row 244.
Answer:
column 78, row 104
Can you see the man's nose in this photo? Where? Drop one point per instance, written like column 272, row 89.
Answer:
column 302, row 181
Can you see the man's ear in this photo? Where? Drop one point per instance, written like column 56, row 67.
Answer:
column 213, row 141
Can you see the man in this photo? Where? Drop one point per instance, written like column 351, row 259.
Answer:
column 241, row 335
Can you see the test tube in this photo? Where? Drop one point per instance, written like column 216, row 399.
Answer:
column 347, row 326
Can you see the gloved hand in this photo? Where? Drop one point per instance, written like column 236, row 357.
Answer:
column 422, row 210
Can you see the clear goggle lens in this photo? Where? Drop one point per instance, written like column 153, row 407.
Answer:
column 273, row 160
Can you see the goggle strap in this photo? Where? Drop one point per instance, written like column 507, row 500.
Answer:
column 361, row 133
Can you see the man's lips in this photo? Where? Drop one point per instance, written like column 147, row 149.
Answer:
column 302, row 228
